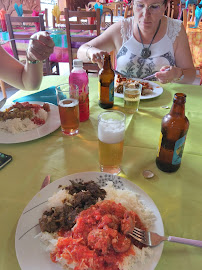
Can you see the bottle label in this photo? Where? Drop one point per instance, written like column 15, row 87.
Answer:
column 84, row 106
column 99, row 90
column 111, row 92
column 159, row 146
column 178, row 150
column 105, row 89
column 81, row 80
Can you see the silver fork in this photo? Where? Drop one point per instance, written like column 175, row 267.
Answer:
column 152, row 239
column 2, row 42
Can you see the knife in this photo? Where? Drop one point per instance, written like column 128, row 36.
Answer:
column 153, row 75
column 2, row 102
column 148, row 77
column 46, row 181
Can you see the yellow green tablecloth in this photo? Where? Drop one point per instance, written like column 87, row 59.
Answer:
column 177, row 195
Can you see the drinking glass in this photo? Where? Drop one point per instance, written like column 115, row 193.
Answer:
column 111, row 129
column 68, row 104
column 132, row 93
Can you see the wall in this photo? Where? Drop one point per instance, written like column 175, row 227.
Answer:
column 8, row 5
column 72, row 4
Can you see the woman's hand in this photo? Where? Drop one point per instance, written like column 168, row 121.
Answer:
column 41, row 48
column 96, row 56
column 168, row 74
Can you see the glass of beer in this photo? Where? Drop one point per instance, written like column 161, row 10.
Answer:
column 111, row 129
column 132, row 92
column 68, row 104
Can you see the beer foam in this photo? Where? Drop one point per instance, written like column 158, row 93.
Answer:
column 111, row 131
column 74, row 102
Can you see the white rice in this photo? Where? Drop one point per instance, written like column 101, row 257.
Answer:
column 58, row 198
column 17, row 125
column 130, row 201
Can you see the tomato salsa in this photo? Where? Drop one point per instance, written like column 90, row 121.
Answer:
column 99, row 240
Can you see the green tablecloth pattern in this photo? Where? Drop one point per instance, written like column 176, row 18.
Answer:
column 177, row 195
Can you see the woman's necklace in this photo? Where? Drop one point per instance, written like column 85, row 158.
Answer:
column 146, row 52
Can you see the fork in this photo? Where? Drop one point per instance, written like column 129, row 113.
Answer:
column 2, row 42
column 152, row 239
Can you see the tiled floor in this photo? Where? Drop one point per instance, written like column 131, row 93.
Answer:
column 64, row 70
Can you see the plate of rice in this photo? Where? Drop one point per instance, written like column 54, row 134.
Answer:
column 81, row 221
column 22, row 122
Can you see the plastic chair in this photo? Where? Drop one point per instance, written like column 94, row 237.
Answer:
column 74, row 41
column 48, row 66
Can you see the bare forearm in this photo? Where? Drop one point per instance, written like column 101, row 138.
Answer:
column 89, row 53
column 189, row 76
column 176, row 74
column 32, row 76
column 86, row 51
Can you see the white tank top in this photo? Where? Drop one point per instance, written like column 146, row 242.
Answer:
column 129, row 60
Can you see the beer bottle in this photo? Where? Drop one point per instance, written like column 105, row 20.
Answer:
column 174, row 129
column 106, row 84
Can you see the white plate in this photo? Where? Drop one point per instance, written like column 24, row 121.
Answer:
column 157, row 90
column 52, row 123
column 29, row 250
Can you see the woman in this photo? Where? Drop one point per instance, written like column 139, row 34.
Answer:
column 145, row 44
column 27, row 77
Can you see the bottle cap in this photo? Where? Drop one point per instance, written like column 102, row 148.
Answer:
column 77, row 63
column 179, row 97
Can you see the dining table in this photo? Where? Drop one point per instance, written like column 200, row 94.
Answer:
column 177, row 195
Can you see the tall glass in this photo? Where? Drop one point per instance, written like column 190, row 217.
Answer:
column 111, row 129
column 68, row 104
column 132, row 94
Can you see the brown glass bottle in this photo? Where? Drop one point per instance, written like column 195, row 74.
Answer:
column 106, row 84
column 174, row 129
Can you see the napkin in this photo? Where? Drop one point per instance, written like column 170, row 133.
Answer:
column 56, row 12
column 46, row 95
column 18, row 9
column 96, row 6
column 37, row 25
column 198, row 15
column 2, row 19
